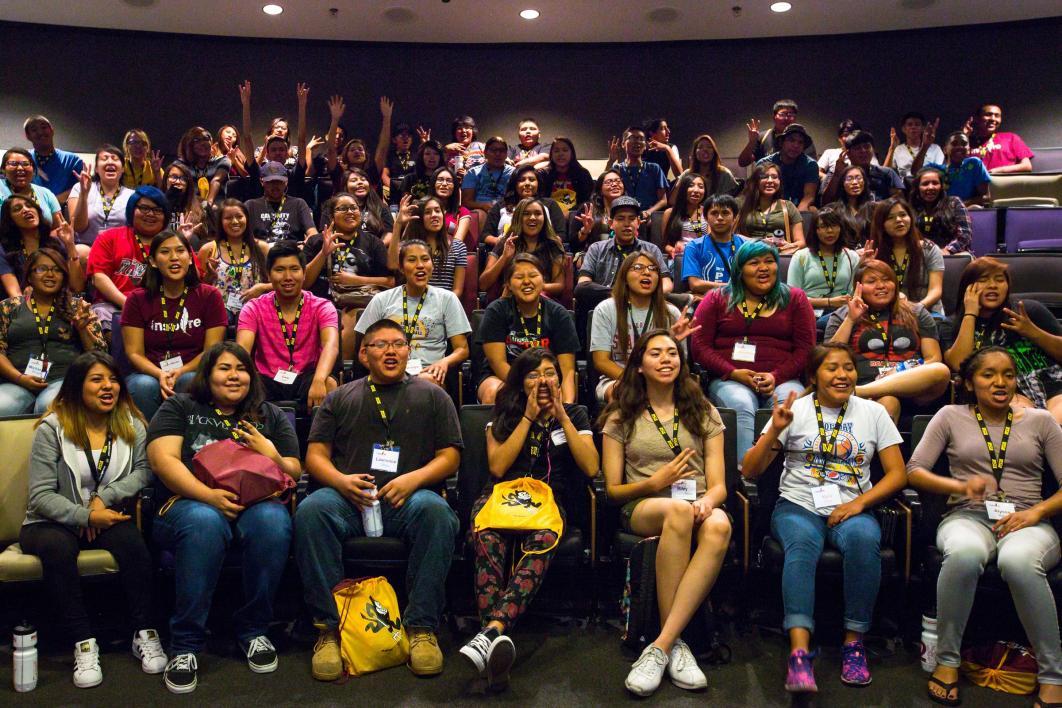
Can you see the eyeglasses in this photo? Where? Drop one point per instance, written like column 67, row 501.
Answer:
column 853, row 178
column 536, row 375
column 157, row 211
column 443, row 180
column 201, row 139
column 177, row 178
column 20, row 165
column 136, row 143
column 398, row 345
column 643, row 267
column 346, row 209
column 611, row 182
column 46, row 270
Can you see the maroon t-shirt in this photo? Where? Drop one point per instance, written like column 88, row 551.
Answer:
column 203, row 309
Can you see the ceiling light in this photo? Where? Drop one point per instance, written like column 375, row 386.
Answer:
column 529, row 14
column 272, row 9
column 781, row 6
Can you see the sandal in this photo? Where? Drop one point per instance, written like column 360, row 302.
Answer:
column 1041, row 704
column 947, row 688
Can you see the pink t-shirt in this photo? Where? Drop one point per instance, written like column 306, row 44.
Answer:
column 1001, row 150
column 270, row 353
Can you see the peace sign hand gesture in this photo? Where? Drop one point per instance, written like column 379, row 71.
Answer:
column 1019, row 321
column 929, row 134
column 65, row 233
column 84, row 178
column 857, row 306
column 782, row 413
column 185, row 227
column 682, row 329
column 423, row 133
column 156, row 160
column 586, row 218
column 614, row 151
column 302, row 92
column 245, row 93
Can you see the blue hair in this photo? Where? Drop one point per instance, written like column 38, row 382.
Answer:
column 151, row 193
column 777, row 296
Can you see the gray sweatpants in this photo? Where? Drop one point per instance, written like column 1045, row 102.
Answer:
column 1024, row 557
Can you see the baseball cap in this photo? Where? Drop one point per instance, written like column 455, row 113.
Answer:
column 274, row 172
column 624, row 202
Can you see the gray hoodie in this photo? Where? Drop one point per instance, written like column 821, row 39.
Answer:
column 55, row 492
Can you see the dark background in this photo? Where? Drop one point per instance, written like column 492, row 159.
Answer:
column 94, row 84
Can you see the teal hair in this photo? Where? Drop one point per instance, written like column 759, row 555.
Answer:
column 778, row 296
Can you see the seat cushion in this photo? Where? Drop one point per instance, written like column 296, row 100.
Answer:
column 384, row 548
column 772, row 558
column 16, row 566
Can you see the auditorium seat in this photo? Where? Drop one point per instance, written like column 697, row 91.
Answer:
column 1026, row 185
column 1022, row 226
column 1047, row 160
column 985, row 223
column 1036, row 276
column 953, row 268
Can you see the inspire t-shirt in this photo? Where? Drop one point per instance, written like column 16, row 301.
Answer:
column 183, row 330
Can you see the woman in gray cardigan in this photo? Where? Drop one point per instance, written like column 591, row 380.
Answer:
column 88, row 460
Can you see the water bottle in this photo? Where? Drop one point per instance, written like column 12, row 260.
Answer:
column 25, row 656
column 372, row 519
column 928, row 648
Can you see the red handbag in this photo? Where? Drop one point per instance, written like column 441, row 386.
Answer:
column 253, row 477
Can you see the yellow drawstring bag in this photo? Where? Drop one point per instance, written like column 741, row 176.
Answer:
column 524, row 504
column 371, row 635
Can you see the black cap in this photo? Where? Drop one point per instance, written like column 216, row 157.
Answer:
column 624, row 202
column 795, row 129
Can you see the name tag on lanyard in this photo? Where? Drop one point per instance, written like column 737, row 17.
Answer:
column 826, row 496
column 744, row 351
column 385, row 459
column 38, row 368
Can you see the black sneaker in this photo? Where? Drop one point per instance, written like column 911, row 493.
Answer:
column 180, row 674
column 261, row 655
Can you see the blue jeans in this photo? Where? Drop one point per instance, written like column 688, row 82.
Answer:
column 146, row 392
column 199, row 537
column 803, row 535
column 15, row 400
column 731, row 394
column 425, row 522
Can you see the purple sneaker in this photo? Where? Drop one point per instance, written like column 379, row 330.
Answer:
column 800, row 678
column 854, row 668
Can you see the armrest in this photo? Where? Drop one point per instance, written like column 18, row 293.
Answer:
column 145, row 509
column 741, row 511
column 895, row 518
column 591, row 495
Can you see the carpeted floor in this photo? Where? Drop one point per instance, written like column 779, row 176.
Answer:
column 556, row 666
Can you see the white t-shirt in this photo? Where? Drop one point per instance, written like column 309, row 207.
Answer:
column 441, row 317
column 903, row 157
column 604, row 330
column 828, row 159
column 866, row 428
column 99, row 218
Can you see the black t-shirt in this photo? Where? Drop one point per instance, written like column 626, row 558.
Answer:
column 1028, row 356
column 199, row 425
column 366, row 256
column 272, row 222
column 557, row 466
column 502, row 323
column 423, row 421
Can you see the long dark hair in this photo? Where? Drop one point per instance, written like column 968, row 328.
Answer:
column 110, row 150
column 582, row 181
column 865, row 196
column 250, row 406
column 942, row 210
column 883, row 242
column 549, row 242
column 69, row 406
column 714, row 165
column 372, row 208
column 152, row 280
column 453, row 204
column 751, row 193
column 11, row 234
column 621, row 298
column 257, row 259
column 64, row 298
column 974, row 271
column 419, row 170
column 417, row 230
column 510, row 197
column 680, row 210
column 632, row 395
column 190, row 198
column 900, row 308
column 598, row 199
column 511, row 401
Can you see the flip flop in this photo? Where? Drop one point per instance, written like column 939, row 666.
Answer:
column 1041, row 704
column 947, row 688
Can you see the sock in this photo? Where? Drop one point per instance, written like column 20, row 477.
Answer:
column 491, row 633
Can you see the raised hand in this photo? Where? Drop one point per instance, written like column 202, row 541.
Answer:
column 867, row 251
column 156, row 161
column 657, row 145
column 185, row 227
column 84, row 178
column 210, row 265
column 971, row 299
column 64, row 231
column 857, row 306
column 782, row 413
column 586, row 218
column 407, row 210
column 423, row 133
column 615, row 151
column 556, row 400
column 82, row 316
column 929, row 133
column 894, row 139
column 682, row 329
column 336, row 107
column 967, row 127
column 531, row 408
column 1019, row 321
column 387, row 107
column 315, row 142
column 509, row 249
column 302, row 92
column 245, row 93
column 753, row 128
column 328, row 240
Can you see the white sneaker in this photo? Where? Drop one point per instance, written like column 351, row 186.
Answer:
column 148, row 648
column 683, row 669
column 647, row 672
column 87, row 671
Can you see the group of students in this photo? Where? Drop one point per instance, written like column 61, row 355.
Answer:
column 867, row 276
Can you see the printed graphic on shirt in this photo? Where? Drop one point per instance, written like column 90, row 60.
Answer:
column 132, row 269
column 278, row 226
column 516, row 342
column 879, row 349
column 182, row 324
column 843, row 466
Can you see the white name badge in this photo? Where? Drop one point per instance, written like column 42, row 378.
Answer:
column 826, row 496
column 171, row 364
column 685, row 489
column 414, row 367
column 37, row 368
column 743, row 351
column 997, row 509
column 558, row 437
column 384, row 459
column 286, row 376
column 818, row 311
column 234, row 301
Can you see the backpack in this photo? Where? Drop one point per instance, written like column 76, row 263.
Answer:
column 371, row 635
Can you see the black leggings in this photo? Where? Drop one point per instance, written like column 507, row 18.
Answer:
column 57, row 547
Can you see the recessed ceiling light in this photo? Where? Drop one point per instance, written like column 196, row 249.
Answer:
column 529, row 14
column 781, row 6
column 272, row 9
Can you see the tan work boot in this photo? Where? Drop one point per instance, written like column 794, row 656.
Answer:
column 327, row 662
column 425, row 656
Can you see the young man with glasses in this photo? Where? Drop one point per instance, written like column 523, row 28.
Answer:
column 882, row 182
column 644, row 181
column 393, row 439
column 54, row 168
column 486, row 183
